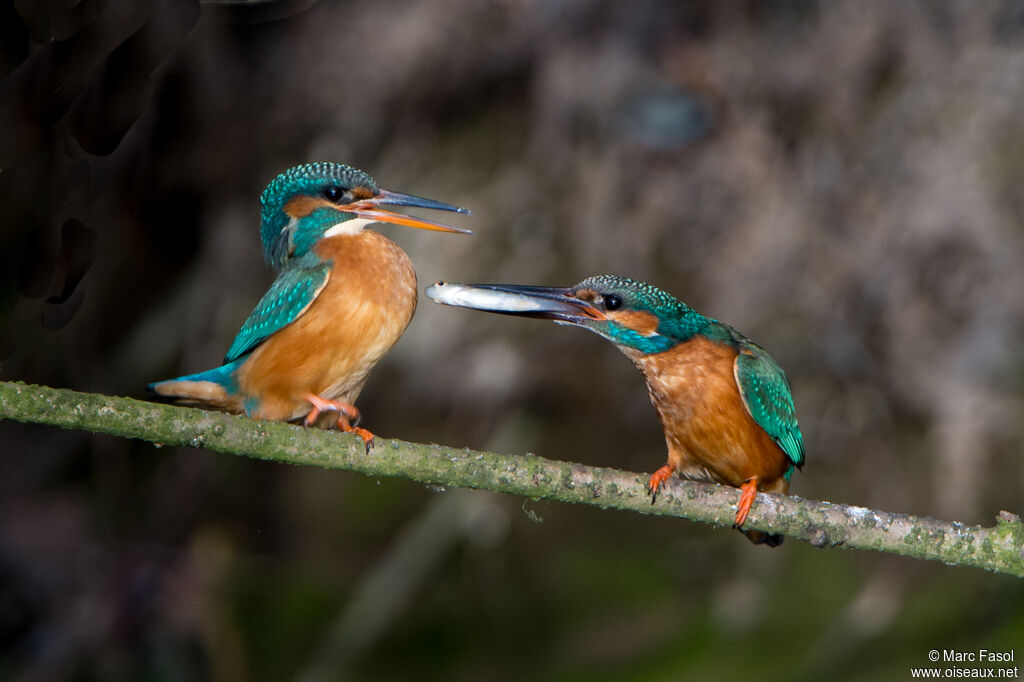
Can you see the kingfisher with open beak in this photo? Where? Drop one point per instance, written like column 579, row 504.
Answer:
column 342, row 298
column 724, row 403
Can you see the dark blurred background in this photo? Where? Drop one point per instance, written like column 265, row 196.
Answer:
column 842, row 181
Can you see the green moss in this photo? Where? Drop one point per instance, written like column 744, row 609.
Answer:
column 535, row 477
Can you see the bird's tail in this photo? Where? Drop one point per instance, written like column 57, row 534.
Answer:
column 761, row 538
column 215, row 388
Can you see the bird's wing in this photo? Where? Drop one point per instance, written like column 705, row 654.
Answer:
column 768, row 399
column 294, row 290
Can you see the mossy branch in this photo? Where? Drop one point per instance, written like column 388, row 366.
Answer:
column 999, row 548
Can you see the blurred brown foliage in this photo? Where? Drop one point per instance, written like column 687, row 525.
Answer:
column 840, row 180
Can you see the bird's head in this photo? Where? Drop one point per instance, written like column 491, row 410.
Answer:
column 308, row 202
column 633, row 315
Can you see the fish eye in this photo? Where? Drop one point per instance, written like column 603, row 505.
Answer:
column 333, row 193
column 612, row 302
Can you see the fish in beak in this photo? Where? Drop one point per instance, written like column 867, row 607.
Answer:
column 548, row 303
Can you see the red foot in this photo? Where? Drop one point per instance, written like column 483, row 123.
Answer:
column 362, row 433
column 657, row 478
column 346, row 415
column 749, row 494
column 321, row 405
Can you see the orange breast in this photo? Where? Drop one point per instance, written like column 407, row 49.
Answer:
column 368, row 301
column 709, row 433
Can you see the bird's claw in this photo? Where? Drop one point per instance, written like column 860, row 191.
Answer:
column 366, row 435
column 346, row 425
column 348, row 417
column 657, row 478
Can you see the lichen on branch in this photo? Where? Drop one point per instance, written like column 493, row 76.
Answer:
column 998, row 548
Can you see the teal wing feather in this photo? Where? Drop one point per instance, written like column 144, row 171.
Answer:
column 768, row 399
column 294, row 290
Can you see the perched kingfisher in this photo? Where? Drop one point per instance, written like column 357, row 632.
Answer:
column 342, row 298
column 724, row 404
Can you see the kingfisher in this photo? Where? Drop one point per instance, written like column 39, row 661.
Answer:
column 724, row 404
column 342, row 298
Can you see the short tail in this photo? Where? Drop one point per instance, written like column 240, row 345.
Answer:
column 214, row 388
column 761, row 538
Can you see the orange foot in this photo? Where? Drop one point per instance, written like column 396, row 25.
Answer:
column 346, row 415
column 657, row 478
column 749, row 493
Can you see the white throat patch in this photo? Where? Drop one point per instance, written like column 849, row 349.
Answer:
column 347, row 227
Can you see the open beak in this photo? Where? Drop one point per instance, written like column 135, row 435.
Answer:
column 371, row 210
column 549, row 303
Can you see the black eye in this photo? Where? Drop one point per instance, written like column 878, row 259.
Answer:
column 333, row 193
column 612, row 302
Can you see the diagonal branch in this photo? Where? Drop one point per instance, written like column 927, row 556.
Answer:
column 998, row 548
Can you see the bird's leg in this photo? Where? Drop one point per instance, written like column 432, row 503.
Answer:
column 347, row 415
column 321, row 405
column 749, row 494
column 657, row 478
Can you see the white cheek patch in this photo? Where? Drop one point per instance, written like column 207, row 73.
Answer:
column 289, row 230
column 348, row 227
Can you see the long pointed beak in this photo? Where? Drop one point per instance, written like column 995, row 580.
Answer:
column 370, row 209
column 549, row 303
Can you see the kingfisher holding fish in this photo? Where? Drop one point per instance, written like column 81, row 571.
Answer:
column 342, row 298
column 723, row 402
